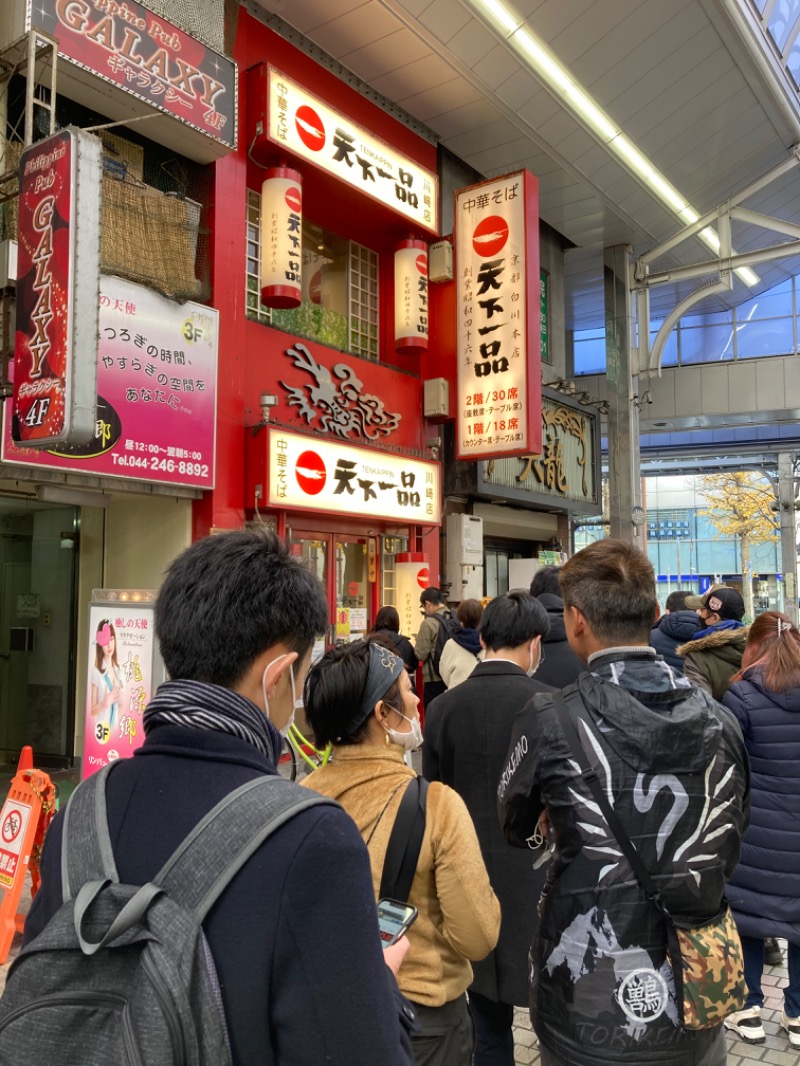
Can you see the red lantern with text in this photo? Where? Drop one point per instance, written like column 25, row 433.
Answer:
column 411, row 297
column 282, row 238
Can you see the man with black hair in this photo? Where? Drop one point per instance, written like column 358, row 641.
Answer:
column 437, row 616
column 671, row 763
column 236, row 618
column 561, row 665
column 677, row 625
column 467, row 731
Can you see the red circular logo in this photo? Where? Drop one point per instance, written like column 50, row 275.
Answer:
column 423, row 577
column 309, row 128
column 422, row 263
column 310, row 473
column 294, row 198
column 490, row 236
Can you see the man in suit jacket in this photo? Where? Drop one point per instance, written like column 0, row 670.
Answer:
column 467, row 732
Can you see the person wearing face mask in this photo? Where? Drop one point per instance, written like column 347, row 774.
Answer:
column 467, row 731
column 359, row 698
column 236, row 619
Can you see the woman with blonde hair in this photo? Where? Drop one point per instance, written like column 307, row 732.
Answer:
column 764, row 891
column 359, row 698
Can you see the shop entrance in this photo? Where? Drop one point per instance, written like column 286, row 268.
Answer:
column 345, row 566
column 38, row 548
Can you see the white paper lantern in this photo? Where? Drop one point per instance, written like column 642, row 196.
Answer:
column 411, row 297
column 282, row 238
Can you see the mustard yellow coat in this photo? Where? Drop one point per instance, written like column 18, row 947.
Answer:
column 459, row 915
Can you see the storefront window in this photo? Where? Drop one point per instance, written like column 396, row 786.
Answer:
column 390, row 546
column 340, row 289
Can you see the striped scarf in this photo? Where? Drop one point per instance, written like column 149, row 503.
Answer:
column 198, row 705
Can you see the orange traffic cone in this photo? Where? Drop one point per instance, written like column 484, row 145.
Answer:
column 25, row 759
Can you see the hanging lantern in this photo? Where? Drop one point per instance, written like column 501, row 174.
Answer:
column 281, row 238
column 411, row 297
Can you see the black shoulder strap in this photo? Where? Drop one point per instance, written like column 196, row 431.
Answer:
column 402, row 851
column 615, row 825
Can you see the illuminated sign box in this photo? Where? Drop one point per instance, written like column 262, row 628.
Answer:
column 124, row 60
column 335, row 478
column 307, row 127
column 498, row 326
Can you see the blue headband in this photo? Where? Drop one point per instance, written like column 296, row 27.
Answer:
column 384, row 669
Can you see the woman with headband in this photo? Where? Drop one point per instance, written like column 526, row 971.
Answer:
column 764, row 891
column 359, row 699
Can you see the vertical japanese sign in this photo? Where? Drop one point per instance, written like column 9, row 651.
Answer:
column 154, row 405
column 281, row 238
column 412, row 575
column 119, row 682
column 58, row 278
column 498, row 329
column 544, row 314
column 306, row 126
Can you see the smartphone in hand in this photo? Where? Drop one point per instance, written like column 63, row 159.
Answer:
column 394, row 919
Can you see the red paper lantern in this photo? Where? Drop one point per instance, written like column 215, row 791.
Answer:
column 282, row 238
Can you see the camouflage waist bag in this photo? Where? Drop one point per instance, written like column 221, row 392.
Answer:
column 708, row 969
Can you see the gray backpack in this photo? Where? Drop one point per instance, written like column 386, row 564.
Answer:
column 122, row 974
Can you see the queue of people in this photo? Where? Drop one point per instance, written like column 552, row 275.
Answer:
column 516, row 856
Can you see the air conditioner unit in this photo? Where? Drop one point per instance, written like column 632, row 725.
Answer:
column 440, row 261
column 464, row 539
column 436, row 398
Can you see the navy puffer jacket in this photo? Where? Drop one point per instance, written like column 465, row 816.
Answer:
column 671, row 630
column 764, row 891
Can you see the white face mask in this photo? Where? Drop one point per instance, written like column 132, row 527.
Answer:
column 283, row 732
column 531, row 668
column 408, row 741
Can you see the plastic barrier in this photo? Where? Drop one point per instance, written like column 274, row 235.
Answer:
column 26, row 814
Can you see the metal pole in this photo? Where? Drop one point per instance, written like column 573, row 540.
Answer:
column 787, row 492
column 622, row 369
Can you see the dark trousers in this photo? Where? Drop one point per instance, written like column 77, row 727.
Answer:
column 717, row 1054
column 446, row 1038
column 494, row 1035
column 432, row 690
column 753, row 952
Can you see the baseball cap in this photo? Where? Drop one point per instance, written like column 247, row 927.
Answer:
column 725, row 602
column 694, row 603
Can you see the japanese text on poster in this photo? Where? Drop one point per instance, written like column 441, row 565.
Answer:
column 156, row 393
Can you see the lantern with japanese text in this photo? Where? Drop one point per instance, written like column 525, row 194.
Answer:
column 411, row 297
column 281, row 238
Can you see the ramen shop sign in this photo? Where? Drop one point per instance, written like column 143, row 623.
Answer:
column 306, row 126
column 498, row 329
column 335, row 478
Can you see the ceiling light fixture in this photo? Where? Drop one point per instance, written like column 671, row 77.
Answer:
column 510, row 25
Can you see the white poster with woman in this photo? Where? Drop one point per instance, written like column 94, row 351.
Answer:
column 119, row 682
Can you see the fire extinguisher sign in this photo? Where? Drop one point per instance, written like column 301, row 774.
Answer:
column 13, row 824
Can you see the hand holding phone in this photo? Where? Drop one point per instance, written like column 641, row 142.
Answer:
column 394, row 919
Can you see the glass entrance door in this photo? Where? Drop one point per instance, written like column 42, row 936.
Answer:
column 352, row 588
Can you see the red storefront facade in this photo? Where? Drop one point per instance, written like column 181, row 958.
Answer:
column 366, row 488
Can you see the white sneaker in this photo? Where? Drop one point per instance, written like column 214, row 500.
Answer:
column 792, row 1027
column 747, row 1025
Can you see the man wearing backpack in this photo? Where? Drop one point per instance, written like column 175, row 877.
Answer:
column 294, row 935
column 435, row 630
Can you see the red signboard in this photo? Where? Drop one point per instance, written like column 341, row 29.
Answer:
column 147, row 56
column 53, row 389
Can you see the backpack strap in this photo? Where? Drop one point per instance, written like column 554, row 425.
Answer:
column 203, row 864
column 405, row 842
column 86, row 852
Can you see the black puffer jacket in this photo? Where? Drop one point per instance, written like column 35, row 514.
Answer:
column 672, row 630
column 673, row 763
column 764, row 890
column 561, row 665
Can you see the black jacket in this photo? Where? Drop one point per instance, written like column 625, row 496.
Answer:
column 294, row 936
column 467, row 731
column 674, row 629
column 764, row 891
column 673, row 763
column 561, row 665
